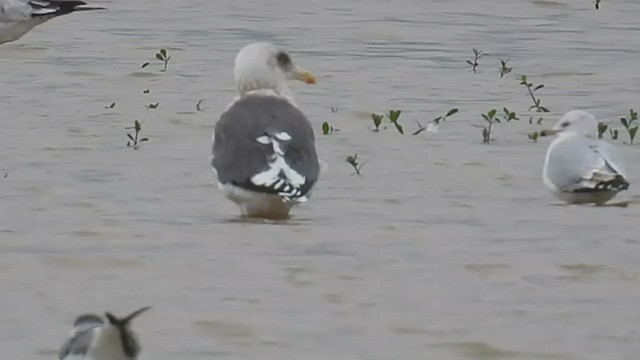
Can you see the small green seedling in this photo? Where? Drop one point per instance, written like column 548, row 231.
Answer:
column 504, row 69
column 629, row 122
column 152, row 106
column 145, row 65
column 199, row 104
column 477, row 54
column 533, row 136
column 433, row 124
column 508, row 115
column 377, row 121
column 532, row 89
column 146, row 91
column 614, row 134
column 328, row 129
column 445, row 116
column 394, row 115
column 597, row 2
column 490, row 118
column 162, row 56
column 110, row 106
column 353, row 161
column 135, row 140
column 420, row 129
column 602, row 128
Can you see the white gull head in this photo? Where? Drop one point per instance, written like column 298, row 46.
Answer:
column 577, row 122
column 262, row 67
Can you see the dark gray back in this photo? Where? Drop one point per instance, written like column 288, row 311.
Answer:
column 237, row 154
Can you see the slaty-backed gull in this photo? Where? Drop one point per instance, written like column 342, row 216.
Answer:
column 579, row 168
column 18, row 17
column 264, row 151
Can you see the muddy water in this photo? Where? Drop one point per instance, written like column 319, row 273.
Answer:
column 444, row 249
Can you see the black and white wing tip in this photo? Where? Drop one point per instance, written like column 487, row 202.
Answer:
column 280, row 178
column 600, row 181
column 52, row 8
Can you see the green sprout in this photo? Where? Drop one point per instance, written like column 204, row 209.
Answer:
column 629, row 123
column 377, row 121
column 614, row 134
column 533, row 136
column 597, row 2
column 420, row 128
column 162, row 56
column 490, row 118
column 328, row 129
column 536, row 102
column 602, row 128
column 445, row 116
column 477, row 54
column 146, row 91
column 435, row 122
column 110, row 106
column 394, row 115
column 135, row 140
column 152, row 106
column 353, row 161
column 504, row 69
column 509, row 115
column 199, row 104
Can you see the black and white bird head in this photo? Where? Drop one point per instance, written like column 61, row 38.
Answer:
column 94, row 338
column 260, row 66
column 575, row 122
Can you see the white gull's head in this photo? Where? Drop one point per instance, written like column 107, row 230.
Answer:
column 260, row 66
column 577, row 122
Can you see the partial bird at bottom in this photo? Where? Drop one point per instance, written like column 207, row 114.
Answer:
column 92, row 338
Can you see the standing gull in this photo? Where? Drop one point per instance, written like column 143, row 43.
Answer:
column 579, row 168
column 264, row 151
column 93, row 339
column 17, row 17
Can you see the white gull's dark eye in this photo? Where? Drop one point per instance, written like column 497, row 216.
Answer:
column 283, row 59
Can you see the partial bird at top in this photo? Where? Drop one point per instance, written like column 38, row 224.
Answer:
column 18, row 17
column 264, row 151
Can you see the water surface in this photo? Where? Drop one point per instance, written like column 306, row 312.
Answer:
column 445, row 249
